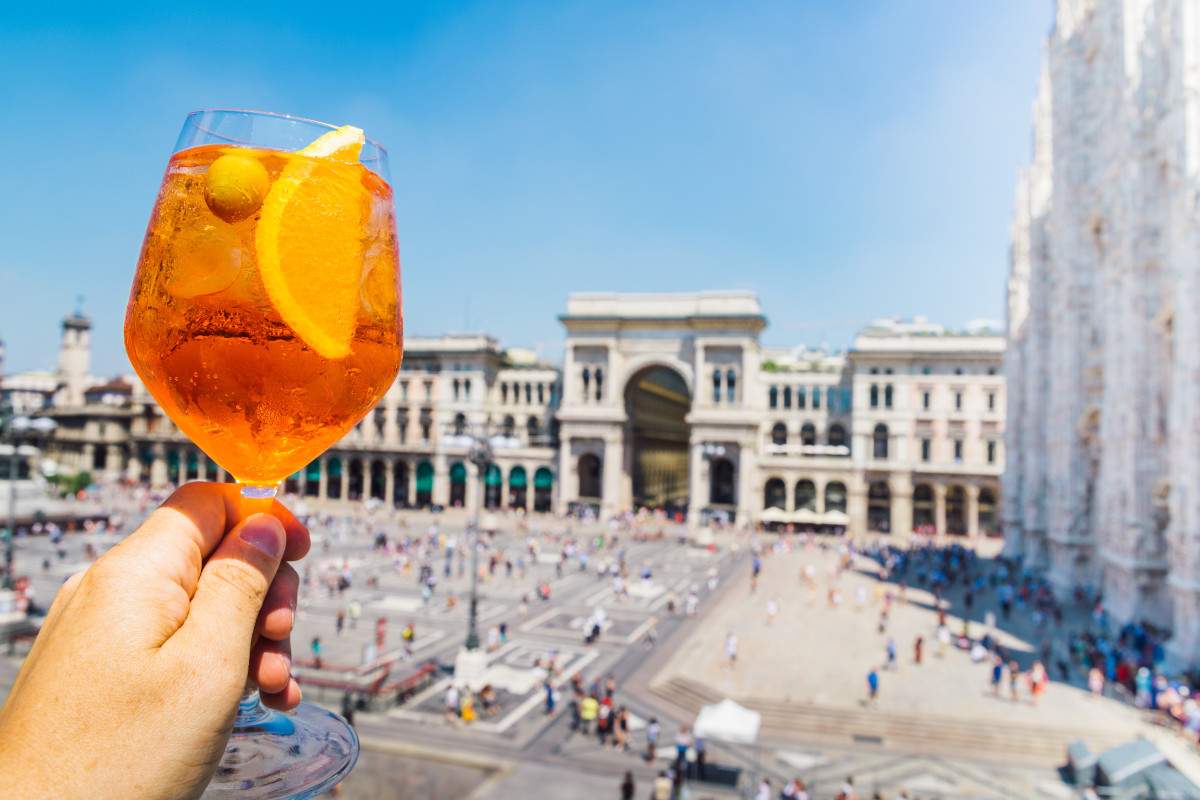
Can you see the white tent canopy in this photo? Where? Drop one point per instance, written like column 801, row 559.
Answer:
column 728, row 722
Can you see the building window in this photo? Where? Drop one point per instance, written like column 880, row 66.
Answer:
column 829, row 398
column 541, row 394
column 456, row 387
column 816, row 397
column 958, row 401
column 926, row 370
column 717, row 386
column 874, row 370
column 880, row 441
column 991, row 452
column 958, row 370
column 874, row 396
column 808, row 434
column 846, row 397
column 428, row 392
column 779, row 434
column 925, row 400
column 730, row 386
column 991, row 370
column 991, row 401
column 926, row 449
column 887, row 396
column 787, row 397
column 404, row 391
column 587, row 380
column 801, row 397
column 460, row 424
column 772, row 396
column 837, row 436
column 958, row 450
column 467, row 390
column 887, row 371
column 504, row 393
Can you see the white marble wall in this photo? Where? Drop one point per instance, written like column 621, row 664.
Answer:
column 1103, row 482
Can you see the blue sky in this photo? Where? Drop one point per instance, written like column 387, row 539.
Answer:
column 844, row 160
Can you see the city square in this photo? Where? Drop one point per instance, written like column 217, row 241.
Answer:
column 812, row 431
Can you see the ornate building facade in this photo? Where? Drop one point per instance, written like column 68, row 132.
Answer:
column 1103, row 485
column 666, row 401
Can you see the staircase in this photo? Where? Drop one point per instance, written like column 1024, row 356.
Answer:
column 906, row 732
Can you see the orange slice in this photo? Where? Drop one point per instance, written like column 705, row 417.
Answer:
column 309, row 243
column 343, row 144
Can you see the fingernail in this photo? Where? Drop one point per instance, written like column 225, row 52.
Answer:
column 263, row 534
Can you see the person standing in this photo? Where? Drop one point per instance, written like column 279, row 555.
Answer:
column 653, row 731
column 1014, row 674
column 450, row 703
column 316, row 651
column 355, row 611
column 872, row 688
column 627, row 786
column 341, row 622
column 997, row 675
column 918, row 649
column 1096, row 682
column 664, row 787
column 943, row 637
column 731, row 649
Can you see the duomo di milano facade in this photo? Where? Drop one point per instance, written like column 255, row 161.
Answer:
column 1103, row 366
column 668, row 401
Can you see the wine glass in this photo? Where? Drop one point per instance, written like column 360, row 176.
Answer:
column 265, row 320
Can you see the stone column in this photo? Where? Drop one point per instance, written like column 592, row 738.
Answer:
column 614, row 458
column 441, row 482
column 901, row 488
column 567, row 483
column 368, row 477
column 389, row 482
column 158, row 467
column 412, row 482
column 391, row 426
column 820, row 501
column 220, row 474
column 345, row 477
column 972, row 511
column 89, row 457
column 323, row 480
column 112, row 461
column 472, row 488
column 697, row 492
column 749, row 505
column 939, row 508
column 857, row 506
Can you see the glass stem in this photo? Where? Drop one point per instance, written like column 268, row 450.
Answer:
column 258, row 492
column 251, row 711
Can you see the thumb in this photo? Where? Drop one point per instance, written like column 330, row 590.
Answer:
column 231, row 590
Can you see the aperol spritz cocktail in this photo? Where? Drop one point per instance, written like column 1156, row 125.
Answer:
column 265, row 316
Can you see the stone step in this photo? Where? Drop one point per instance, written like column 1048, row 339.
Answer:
column 909, row 732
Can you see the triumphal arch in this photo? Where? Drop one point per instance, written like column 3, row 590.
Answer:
column 657, row 402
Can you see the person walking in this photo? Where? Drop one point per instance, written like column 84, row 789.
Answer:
column 341, row 622
column 731, row 649
column 872, row 688
column 1014, row 674
column 1096, row 682
column 918, row 649
column 450, row 703
column 891, row 655
column 589, row 709
column 664, row 787
column 354, row 612
column 943, row 637
column 997, row 675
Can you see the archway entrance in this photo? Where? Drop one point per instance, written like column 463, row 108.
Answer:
column 657, row 402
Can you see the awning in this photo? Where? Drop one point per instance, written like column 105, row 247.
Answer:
column 543, row 478
column 424, row 477
column 458, row 472
column 516, row 477
column 492, row 477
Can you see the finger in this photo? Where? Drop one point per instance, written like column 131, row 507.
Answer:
column 297, row 535
column 230, row 594
column 286, row 700
column 278, row 614
column 271, row 665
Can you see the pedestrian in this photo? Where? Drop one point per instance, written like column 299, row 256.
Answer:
column 943, row 637
column 764, row 790
column 664, row 787
column 341, row 622
column 355, row 611
column 872, row 688
column 794, row 790
column 627, row 786
column 891, row 654
column 589, row 709
column 683, row 740
column 450, row 703
column 348, row 708
column 1037, row 681
column 409, row 636
column 701, row 754
column 549, row 688
column 848, row 792
column 1096, row 681
column 621, row 729
column 316, row 651
column 731, row 648
column 997, row 675
column 1014, row 674
column 653, row 730
column 918, row 649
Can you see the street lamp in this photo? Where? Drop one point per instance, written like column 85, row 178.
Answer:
column 16, row 429
column 481, row 457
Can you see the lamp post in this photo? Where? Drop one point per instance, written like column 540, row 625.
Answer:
column 15, row 429
column 481, row 457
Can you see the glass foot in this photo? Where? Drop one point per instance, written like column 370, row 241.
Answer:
column 298, row 754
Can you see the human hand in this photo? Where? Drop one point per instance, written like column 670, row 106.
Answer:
column 132, row 685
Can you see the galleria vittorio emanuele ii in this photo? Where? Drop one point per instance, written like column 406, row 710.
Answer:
column 1103, row 363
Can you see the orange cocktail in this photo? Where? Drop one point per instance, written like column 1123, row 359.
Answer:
column 264, row 317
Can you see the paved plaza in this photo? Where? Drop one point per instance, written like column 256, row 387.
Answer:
column 936, row 729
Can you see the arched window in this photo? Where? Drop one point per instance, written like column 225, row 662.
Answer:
column 806, row 495
column 775, row 494
column 773, row 397
column 923, row 507
column 587, row 379
column 529, row 389
column 787, row 397
column 722, row 486
column 835, row 497
column 532, row 429
column 879, row 508
column 456, row 387
column 517, row 388
column 801, row 394
column 887, row 396
column 467, row 390
column 509, row 426
column 717, row 386
column 808, row 434
column 874, row 394
column 541, row 394
column 589, row 477
column 730, row 386
column 504, row 393
column 987, row 511
column 837, row 435
column 779, row 433
column 956, row 510
column 880, row 441
column 460, row 424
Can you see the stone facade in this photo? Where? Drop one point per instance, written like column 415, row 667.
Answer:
column 1103, row 488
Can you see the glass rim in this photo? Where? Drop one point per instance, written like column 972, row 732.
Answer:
column 199, row 111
